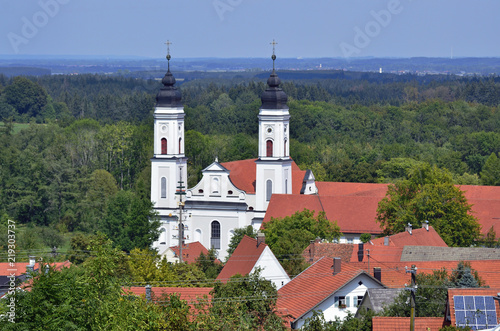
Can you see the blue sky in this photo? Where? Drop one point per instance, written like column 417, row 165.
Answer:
column 244, row 28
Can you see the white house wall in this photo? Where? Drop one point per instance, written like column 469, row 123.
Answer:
column 351, row 290
column 271, row 269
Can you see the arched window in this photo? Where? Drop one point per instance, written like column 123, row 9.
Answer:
column 269, row 148
column 286, row 186
column 284, row 152
column 164, row 145
column 180, row 144
column 269, row 189
column 215, row 235
column 163, row 188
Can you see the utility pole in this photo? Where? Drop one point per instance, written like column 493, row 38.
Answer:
column 180, row 192
column 412, row 290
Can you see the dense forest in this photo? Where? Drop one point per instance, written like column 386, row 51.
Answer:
column 75, row 149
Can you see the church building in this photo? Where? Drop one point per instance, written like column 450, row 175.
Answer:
column 230, row 195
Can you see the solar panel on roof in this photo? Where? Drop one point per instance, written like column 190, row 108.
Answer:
column 478, row 312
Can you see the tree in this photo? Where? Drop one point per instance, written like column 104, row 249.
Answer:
column 490, row 174
column 365, row 237
column 465, row 276
column 287, row 237
column 209, row 264
column 429, row 194
column 245, row 303
column 239, row 233
column 27, row 97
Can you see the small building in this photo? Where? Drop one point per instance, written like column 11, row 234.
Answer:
column 190, row 252
column 252, row 254
column 326, row 286
column 376, row 299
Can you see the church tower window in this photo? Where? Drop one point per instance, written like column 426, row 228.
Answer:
column 163, row 146
column 163, row 188
column 269, row 148
column 180, row 144
column 269, row 189
column 215, row 235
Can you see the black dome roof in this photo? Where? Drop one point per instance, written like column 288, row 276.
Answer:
column 274, row 97
column 169, row 95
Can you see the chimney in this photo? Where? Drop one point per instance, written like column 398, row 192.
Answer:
column 425, row 225
column 46, row 269
column 377, row 273
column 31, row 267
column 361, row 250
column 408, row 228
column 386, row 241
column 261, row 238
column 148, row 293
column 317, row 240
column 336, row 265
column 312, row 250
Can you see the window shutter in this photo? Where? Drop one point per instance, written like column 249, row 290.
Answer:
column 347, row 302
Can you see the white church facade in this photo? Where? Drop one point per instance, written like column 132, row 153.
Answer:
column 230, row 195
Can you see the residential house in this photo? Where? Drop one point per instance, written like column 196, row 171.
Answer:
column 478, row 308
column 385, row 323
column 250, row 255
column 190, row 252
column 327, row 286
column 376, row 299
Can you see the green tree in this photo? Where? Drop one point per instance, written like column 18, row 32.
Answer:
column 490, row 174
column 209, row 264
column 239, row 233
column 429, row 194
column 27, row 97
column 287, row 237
column 245, row 303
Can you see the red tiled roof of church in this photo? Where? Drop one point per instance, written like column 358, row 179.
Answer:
column 418, row 237
column 243, row 173
column 353, row 214
column 191, row 251
column 243, row 259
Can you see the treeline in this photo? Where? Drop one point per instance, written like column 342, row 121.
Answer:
column 344, row 130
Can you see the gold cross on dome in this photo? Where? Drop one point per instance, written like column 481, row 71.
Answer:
column 168, row 43
column 274, row 43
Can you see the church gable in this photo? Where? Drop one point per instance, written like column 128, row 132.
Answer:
column 215, row 184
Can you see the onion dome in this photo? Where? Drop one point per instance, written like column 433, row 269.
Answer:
column 274, row 97
column 169, row 95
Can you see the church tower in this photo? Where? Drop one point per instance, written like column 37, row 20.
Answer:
column 274, row 165
column 169, row 164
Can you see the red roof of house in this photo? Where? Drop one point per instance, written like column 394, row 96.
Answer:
column 354, row 205
column 316, row 251
column 354, row 214
column 312, row 286
column 243, row 259
column 471, row 291
column 19, row 268
column 191, row 295
column 243, row 174
column 190, row 252
column 418, row 237
column 394, row 275
column 384, row 323
column 378, row 253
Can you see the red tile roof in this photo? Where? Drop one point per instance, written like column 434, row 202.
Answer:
column 384, row 323
column 354, row 205
column 243, row 174
column 353, row 214
column 191, row 295
column 312, row 286
column 378, row 253
column 19, row 268
column 243, row 259
column 190, row 252
column 471, row 291
column 418, row 237
column 315, row 251
column 394, row 275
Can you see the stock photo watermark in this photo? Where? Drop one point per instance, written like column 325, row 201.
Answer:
column 224, row 6
column 12, row 270
column 31, row 26
column 364, row 36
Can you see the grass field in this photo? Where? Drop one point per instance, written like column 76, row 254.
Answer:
column 17, row 126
